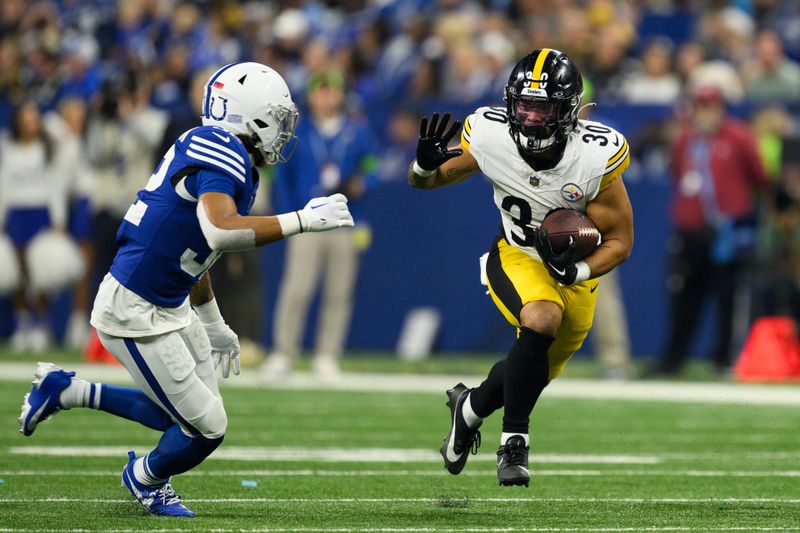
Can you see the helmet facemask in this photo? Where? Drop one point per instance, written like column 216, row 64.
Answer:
column 538, row 123
column 271, row 132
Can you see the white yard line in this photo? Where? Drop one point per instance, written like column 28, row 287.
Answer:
column 427, row 473
column 444, row 500
column 418, row 530
column 661, row 391
column 329, row 455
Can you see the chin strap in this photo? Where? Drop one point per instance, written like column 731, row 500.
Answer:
column 247, row 140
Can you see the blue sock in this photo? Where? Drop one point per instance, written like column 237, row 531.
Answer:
column 176, row 453
column 134, row 404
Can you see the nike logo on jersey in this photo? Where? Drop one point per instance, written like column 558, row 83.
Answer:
column 222, row 137
column 594, row 288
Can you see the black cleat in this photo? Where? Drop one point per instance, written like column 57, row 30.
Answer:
column 461, row 439
column 512, row 462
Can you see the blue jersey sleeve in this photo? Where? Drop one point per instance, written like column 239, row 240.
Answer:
column 210, row 181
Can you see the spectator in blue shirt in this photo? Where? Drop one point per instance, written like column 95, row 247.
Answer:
column 335, row 153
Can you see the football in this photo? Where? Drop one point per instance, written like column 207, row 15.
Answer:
column 565, row 224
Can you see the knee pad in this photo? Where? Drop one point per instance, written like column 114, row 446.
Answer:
column 213, row 423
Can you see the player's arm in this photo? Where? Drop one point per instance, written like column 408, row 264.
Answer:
column 436, row 165
column 201, row 292
column 227, row 231
column 612, row 214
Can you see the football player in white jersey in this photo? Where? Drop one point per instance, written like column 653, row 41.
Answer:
column 155, row 310
column 539, row 156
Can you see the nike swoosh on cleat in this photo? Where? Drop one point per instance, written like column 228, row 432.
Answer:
column 221, row 137
column 452, row 456
column 39, row 411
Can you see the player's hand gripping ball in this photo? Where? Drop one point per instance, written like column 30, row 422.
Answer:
column 565, row 237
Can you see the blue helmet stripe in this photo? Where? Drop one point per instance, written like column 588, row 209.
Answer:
column 208, row 87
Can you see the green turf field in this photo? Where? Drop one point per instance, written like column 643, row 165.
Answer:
column 289, row 464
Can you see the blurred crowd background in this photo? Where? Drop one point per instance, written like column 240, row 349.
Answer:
column 103, row 88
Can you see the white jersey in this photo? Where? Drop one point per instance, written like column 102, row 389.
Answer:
column 595, row 155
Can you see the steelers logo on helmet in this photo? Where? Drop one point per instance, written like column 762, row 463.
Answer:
column 543, row 96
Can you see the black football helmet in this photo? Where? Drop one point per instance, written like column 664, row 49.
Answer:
column 543, row 96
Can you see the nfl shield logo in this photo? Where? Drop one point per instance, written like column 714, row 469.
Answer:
column 534, row 181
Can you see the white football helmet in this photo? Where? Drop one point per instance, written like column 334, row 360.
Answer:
column 253, row 100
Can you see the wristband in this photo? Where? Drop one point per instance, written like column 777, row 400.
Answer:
column 290, row 223
column 208, row 313
column 418, row 170
column 584, row 272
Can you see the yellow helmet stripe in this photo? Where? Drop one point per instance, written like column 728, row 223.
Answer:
column 538, row 66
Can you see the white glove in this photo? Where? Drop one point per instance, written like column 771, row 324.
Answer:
column 325, row 213
column 224, row 342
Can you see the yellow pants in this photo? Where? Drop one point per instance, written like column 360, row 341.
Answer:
column 515, row 279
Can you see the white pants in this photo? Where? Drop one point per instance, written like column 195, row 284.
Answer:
column 175, row 370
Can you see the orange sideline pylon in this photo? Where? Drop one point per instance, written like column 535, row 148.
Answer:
column 771, row 352
column 95, row 352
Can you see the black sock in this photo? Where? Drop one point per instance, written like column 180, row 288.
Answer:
column 526, row 375
column 488, row 397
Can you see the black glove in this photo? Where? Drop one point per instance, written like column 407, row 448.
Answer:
column 432, row 145
column 561, row 266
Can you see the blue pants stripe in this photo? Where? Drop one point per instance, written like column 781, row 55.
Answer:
column 91, row 395
column 156, row 388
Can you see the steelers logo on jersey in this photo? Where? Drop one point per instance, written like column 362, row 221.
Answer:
column 571, row 192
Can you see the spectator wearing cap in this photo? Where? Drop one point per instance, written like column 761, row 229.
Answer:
column 716, row 169
column 335, row 153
